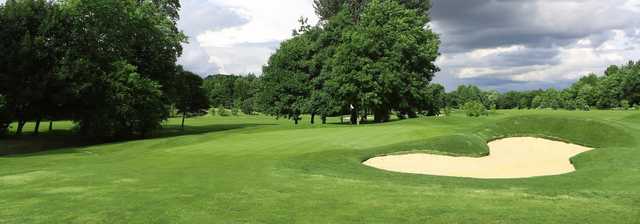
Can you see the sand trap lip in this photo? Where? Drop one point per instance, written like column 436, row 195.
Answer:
column 521, row 157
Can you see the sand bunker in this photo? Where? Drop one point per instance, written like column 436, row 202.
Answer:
column 509, row 158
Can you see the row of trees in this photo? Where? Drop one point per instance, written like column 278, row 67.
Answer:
column 108, row 65
column 363, row 58
column 619, row 87
column 233, row 91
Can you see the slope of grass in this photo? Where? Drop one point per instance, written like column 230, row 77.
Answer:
column 255, row 169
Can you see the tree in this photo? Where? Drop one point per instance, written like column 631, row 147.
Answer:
column 286, row 88
column 466, row 93
column 27, row 57
column 191, row 97
column 434, row 100
column 384, row 61
column 475, row 109
column 107, row 42
column 5, row 116
column 326, row 9
column 133, row 106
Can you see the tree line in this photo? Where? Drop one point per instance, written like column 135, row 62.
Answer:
column 108, row 65
column 618, row 87
column 364, row 58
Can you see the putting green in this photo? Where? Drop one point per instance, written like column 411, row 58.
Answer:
column 262, row 170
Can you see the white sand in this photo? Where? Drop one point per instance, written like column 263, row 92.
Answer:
column 509, row 158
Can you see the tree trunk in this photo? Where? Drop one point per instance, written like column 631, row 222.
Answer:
column 381, row 116
column 37, row 129
column 295, row 119
column 412, row 114
column 313, row 118
column 324, row 119
column 50, row 126
column 184, row 114
column 354, row 116
column 21, row 124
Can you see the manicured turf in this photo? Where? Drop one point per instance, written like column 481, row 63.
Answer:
column 261, row 170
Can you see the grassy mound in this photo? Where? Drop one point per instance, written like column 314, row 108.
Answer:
column 582, row 131
column 454, row 145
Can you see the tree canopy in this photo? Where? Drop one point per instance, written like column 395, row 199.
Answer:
column 107, row 64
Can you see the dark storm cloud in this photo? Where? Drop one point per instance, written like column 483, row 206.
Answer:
column 475, row 24
column 540, row 29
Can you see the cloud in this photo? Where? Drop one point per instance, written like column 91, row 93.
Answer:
column 530, row 44
column 239, row 35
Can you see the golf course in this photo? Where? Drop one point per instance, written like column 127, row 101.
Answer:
column 255, row 169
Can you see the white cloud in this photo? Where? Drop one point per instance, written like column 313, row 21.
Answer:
column 245, row 48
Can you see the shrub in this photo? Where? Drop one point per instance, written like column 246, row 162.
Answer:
column 582, row 105
column 625, row 104
column 248, row 106
column 447, row 111
column 212, row 111
column 222, row 111
column 234, row 111
column 475, row 109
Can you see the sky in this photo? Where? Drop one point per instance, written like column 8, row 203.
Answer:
column 495, row 44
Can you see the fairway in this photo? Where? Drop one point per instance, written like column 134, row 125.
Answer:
column 255, row 169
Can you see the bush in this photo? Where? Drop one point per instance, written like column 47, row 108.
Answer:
column 582, row 105
column 625, row 104
column 222, row 111
column 475, row 109
column 132, row 105
column 248, row 106
column 447, row 111
column 234, row 111
column 212, row 111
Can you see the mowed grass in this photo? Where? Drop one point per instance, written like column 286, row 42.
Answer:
column 255, row 169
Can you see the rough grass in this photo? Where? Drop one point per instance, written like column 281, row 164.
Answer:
column 259, row 170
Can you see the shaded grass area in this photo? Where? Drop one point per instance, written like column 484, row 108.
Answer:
column 272, row 172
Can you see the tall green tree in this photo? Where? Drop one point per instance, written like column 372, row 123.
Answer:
column 285, row 88
column 5, row 116
column 326, row 9
column 384, row 61
column 102, row 37
column 27, row 57
column 191, row 97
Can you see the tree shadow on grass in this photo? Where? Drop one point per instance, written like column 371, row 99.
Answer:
column 54, row 142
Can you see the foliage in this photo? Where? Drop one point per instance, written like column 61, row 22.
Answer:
column 235, row 111
column 222, row 111
column 212, row 111
column 5, row 119
column 285, row 89
column 191, row 97
column 384, row 62
column 447, row 111
column 73, row 59
column 326, row 9
column 134, row 105
column 475, row 109
column 624, row 104
column 29, row 30
column 229, row 89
